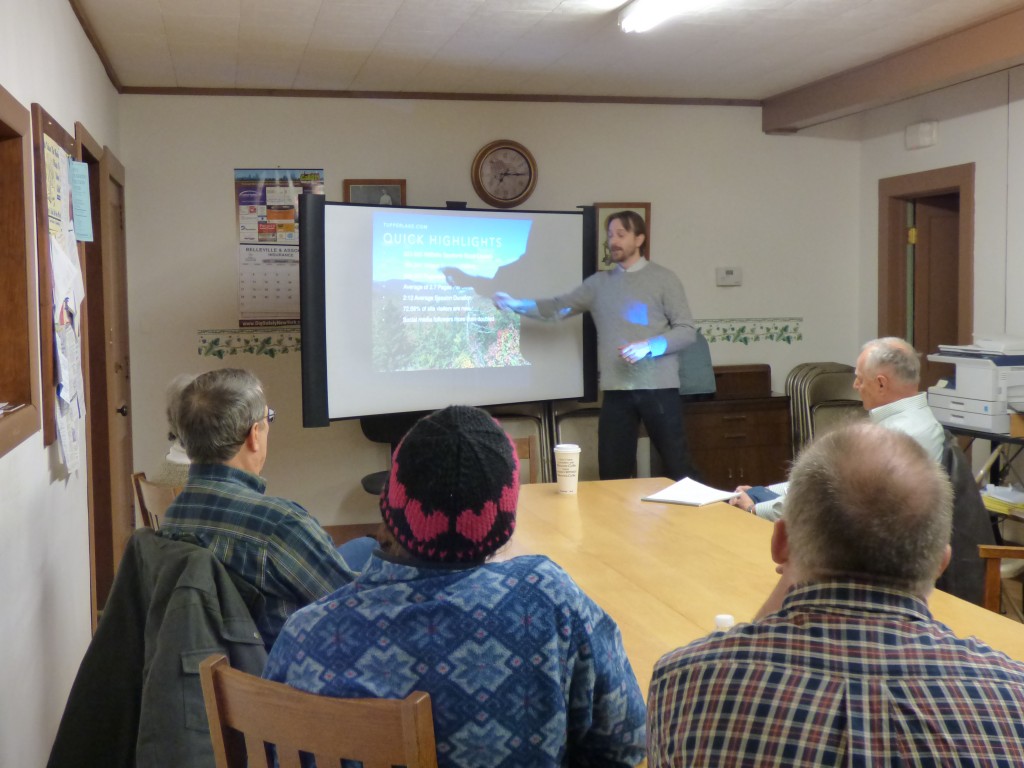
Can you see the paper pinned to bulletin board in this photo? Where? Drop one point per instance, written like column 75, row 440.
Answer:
column 267, row 207
column 68, row 291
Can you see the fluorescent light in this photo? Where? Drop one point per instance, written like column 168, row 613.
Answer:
column 642, row 15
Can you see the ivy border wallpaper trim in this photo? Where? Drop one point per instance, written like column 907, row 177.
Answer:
column 284, row 340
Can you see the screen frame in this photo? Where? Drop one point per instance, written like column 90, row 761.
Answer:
column 312, row 298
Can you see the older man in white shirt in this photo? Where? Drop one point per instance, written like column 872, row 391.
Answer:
column 886, row 378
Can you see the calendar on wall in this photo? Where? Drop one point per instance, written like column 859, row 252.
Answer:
column 267, row 209
column 268, row 282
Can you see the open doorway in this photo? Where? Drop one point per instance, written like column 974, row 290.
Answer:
column 926, row 261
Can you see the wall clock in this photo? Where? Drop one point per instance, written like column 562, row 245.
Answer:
column 504, row 173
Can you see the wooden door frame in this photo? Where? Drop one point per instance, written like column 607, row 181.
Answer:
column 115, row 313
column 95, row 265
column 97, row 435
column 893, row 194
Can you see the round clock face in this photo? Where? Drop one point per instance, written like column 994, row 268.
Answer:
column 504, row 173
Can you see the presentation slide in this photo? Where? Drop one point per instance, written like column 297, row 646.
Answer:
column 432, row 282
column 410, row 324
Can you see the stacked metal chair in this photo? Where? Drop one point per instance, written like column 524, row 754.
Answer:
column 821, row 396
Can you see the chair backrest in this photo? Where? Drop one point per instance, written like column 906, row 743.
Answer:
column 696, row 373
column 387, row 428
column 972, row 526
column 247, row 714
column 578, row 425
column 523, row 420
column 993, row 556
column 832, row 414
column 809, row 384
column 528, row 450
column 153, row 499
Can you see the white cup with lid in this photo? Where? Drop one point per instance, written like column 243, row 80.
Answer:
column 567, row 467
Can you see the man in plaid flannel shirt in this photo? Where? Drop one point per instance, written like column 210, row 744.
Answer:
column 845, row 665
column 272, row 543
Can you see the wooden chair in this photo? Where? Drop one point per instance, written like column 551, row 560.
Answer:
column 994, row 571
column 247, row 714
column 528, row 450
column 153, row 499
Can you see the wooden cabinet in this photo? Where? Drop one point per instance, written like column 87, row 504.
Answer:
column 19, row 339
column 740, row 442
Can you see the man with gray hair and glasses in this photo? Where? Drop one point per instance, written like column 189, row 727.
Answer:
column 844, row 664
column 274, row 544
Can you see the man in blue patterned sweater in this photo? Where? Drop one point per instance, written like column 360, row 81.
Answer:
column 523, row 669
column 845, row 664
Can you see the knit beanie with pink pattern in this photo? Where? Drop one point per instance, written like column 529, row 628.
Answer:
column 454, row 484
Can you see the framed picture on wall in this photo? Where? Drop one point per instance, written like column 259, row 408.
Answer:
column 374, row 191
column 604, row 210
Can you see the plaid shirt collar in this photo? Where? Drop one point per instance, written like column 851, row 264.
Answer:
column 849, row 595
column 223, row 473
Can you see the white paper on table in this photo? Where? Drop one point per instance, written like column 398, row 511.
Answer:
column 690, row 492
column 1004, row 493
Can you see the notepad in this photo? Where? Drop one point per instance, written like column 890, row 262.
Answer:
column 759, row 493
column 691, row 493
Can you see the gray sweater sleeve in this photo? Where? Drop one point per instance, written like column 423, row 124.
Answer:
column 681, row 331
column 576, row 302
column 628, row 307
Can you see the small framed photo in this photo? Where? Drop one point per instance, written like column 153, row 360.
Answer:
column 604, row 210
column 374, row 191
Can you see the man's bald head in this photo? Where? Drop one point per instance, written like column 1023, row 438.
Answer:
column 867, row 501
column 888, row 369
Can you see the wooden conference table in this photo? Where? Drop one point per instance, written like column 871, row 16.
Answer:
column 663, row 571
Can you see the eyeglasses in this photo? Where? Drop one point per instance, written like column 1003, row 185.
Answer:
column 271, row 414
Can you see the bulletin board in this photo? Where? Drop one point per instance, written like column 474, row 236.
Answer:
column 53, row 146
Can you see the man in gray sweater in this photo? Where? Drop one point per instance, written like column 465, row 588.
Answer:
column 643, row 320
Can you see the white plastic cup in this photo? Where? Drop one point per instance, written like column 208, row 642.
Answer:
column 724, row 622
column 567, row 466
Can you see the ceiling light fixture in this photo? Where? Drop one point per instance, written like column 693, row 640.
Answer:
column 642, row 15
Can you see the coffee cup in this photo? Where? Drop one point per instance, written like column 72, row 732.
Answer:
column 567, row 466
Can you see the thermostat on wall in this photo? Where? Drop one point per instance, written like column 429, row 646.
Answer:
column 728, row 276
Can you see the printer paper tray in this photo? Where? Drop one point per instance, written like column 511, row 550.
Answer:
column 999, row 424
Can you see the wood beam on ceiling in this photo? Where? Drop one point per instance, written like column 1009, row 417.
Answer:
column 992, row 46
column 94, row 40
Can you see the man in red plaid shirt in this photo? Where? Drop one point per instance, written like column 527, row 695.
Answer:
column 845, row 664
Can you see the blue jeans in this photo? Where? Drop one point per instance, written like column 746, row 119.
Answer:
column 618, row 429
column 357, row 551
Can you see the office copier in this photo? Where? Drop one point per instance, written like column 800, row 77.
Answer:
column 987, row 387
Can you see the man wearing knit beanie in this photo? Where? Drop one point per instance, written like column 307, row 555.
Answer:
column 523, row 669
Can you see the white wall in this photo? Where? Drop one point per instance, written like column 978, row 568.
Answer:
column 785, row 209
column 973, row 128
column 980, row 122
column 44, row 544
column 1013, row 275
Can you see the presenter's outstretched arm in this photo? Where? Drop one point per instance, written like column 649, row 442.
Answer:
column 530, row 307
column 506, row 303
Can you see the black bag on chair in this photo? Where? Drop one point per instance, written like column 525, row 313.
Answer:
column 972, row 525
